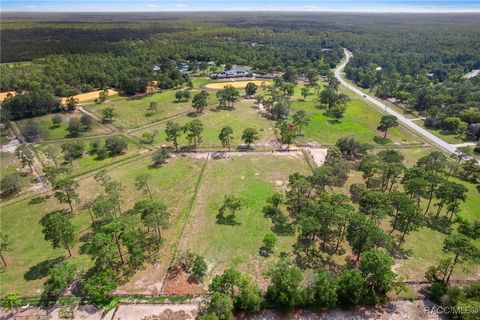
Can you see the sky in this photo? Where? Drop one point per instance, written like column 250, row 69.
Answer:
column 240, row 5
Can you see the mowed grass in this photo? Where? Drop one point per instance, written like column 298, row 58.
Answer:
column 31, row 256
column 89, row 161
column 360, row 121
column 50, row 132
column 132, row 112
column 253, row 178
column 244, row 115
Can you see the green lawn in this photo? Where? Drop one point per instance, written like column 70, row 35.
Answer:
column 133, row 112
column 244, row 115
column 360, row 121
column 9, row 164
column 50, row 132
column 253, row 178
column 91, row 162
column 30, row 255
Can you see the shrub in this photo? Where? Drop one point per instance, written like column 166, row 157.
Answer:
column 115, row 145
column 350, row 288
column 32, row 131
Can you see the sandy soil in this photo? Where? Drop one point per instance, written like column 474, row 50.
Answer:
column 90, row 95
column 11, row 146
column 181, row 284
column 318, row 155
column 3, row 95
column 156, row 311
column 235, row 84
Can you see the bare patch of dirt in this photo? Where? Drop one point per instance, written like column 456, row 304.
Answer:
column 156, row 311
column 181, row 283
column 11, row 146
column 318, row 155
column 89, row 96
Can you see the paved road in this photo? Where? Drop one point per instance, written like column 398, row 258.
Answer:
column 406, row 122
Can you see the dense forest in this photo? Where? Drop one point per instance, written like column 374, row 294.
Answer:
column 421, row 60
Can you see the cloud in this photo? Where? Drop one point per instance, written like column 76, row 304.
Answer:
column 30, row 6
column 153, row 6
column 179, row 5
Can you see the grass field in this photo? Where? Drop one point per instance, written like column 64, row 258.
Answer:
column 9, row 164
column 91, row 162
column 245, row 115
column 31, row 255
column 133, row 112
column 50, row 132
column 253, row 178
column 360, row 121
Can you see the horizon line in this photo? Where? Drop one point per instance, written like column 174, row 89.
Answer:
column 471, row 10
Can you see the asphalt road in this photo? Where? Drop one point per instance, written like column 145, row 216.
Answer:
column 403, row 120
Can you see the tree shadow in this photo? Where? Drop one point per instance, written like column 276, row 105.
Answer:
column 264, row 252
column 244, row 148
column 40, row 270
column 440, row 224
column 381, row 140
column 38, row 200
column 227, row 220
column 334, row 121
column 193, row 114
column 45, row 217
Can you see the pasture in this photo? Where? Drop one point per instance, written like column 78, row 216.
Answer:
column 244, row 115
column 52, row 132
column 360, row 121
column 133, row 112
column 253, row 178
column 31, row 256
column 89, row 162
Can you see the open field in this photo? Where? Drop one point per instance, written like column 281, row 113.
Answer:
column 252, row 178
column 133, row 112
column 360, row 121
column 50, row 132
column 236, row 84
column 91, row 162
column 31, row 255
column 244, row 115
